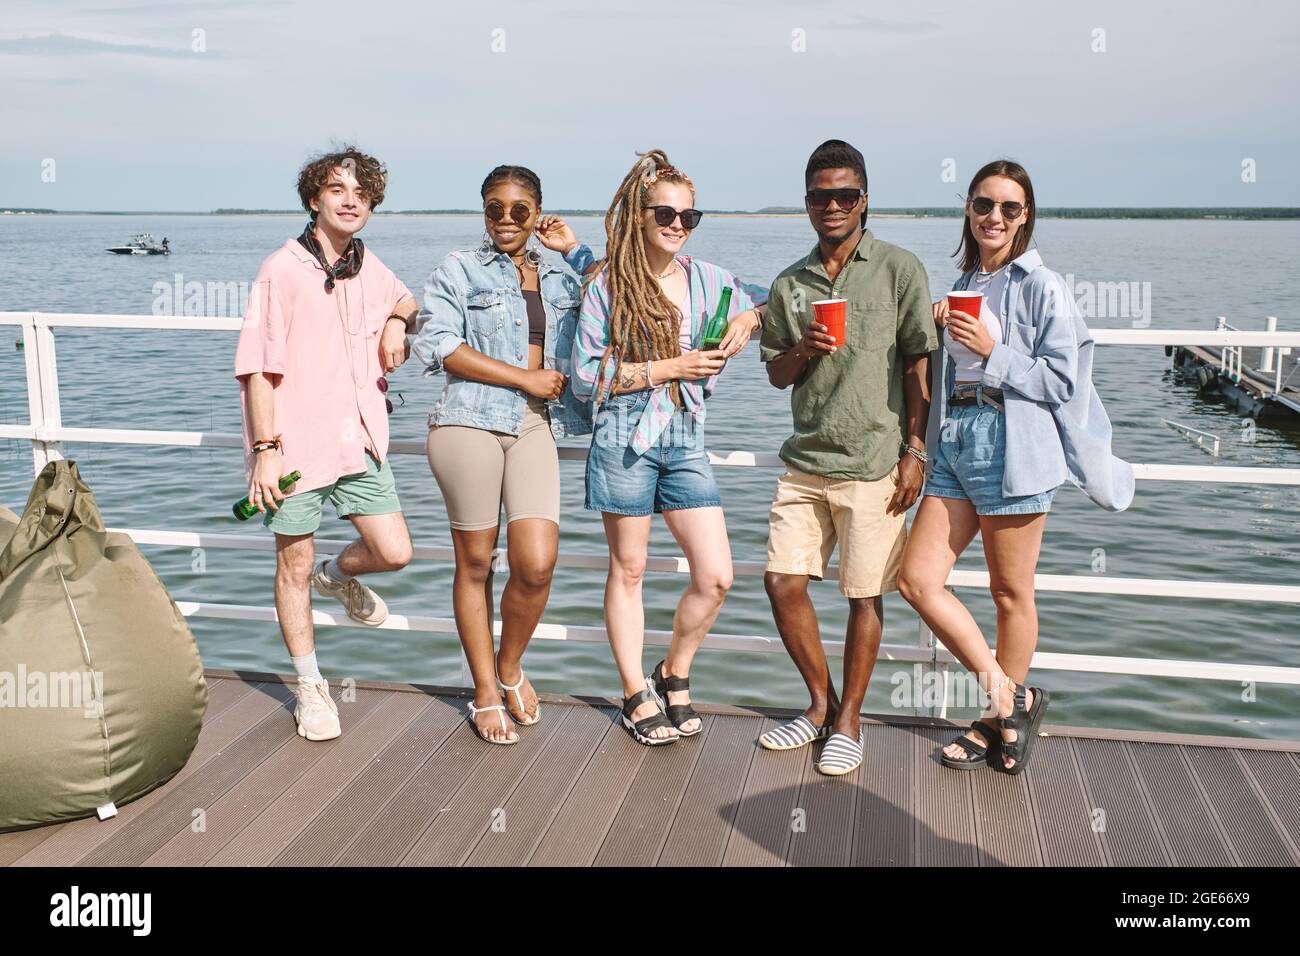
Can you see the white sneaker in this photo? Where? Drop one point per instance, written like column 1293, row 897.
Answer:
column 362, row 604
column 317, row 715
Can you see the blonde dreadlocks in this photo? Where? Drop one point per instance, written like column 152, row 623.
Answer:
column 643, row 324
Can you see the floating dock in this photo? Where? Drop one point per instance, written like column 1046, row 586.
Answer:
column 1262, row 382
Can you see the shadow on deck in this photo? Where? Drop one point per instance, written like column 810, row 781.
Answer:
column 410, row 784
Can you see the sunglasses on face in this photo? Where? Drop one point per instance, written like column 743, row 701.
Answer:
column 982, row 206
column 519, row 212
column 846, row 199
column 664, row 216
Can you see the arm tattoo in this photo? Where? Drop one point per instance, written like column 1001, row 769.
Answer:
column 632, row 377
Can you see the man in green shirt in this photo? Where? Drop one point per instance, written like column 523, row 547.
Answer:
column 855, row 462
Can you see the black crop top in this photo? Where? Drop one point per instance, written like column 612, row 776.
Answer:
column 536, row 318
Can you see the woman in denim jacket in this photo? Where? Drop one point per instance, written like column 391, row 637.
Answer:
column 500, row 320
column 639, row 355
column 1013, row 414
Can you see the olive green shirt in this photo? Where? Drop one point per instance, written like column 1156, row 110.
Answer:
column 849, row 417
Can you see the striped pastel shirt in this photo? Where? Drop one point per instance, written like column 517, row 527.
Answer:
column 706, row 284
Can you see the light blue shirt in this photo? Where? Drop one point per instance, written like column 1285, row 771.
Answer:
column 473, row 298
column 1057, row 427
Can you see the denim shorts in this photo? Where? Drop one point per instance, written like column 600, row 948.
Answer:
column 968, row 461
column 672, row 475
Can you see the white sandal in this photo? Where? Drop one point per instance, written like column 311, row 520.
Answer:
column 513, row 737
column 519, row 699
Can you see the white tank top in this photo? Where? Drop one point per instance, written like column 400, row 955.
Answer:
column 969, row 366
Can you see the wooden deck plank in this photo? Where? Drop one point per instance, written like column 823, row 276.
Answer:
column 1064, row 816
column 133, row 843
column 74, row 840
column 575, row 835
column 945, row 822
column 268, row 833
column 1130, row 834
column 1244, row 817
column 384, row 837
column 250, row 796
column 698, row 834
column 887, row 802
column 536, row 801
column 478, row 804
column 761, row 833
column 637, row 834
column 1279, row 780
column 1193, row 836
column 829, row 804
column 352, row 811
column 1005, row 829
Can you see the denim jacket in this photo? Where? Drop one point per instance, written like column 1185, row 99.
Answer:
column 1056, row 425
column 473, row 298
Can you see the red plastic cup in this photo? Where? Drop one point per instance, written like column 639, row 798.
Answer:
column 969, row 302
column 831, row 313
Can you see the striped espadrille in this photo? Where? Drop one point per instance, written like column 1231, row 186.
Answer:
column 797, row 733
column 841, row 754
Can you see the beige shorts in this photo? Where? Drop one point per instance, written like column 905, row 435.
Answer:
column 479, row 470
column 810, row 513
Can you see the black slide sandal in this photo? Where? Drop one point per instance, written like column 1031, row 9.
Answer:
column 1025, row 723
column 976, row 755
column 641, row 729
column 677, row 713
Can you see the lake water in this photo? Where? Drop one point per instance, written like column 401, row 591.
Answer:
column 1193, row 271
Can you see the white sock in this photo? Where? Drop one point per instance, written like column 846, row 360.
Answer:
column 331, row 571
column 305, row 666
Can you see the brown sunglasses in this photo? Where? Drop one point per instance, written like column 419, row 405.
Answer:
column 519, row 212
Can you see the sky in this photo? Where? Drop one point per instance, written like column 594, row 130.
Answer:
column 198, row 104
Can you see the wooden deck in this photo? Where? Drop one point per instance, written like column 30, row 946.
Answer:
column 409, row 784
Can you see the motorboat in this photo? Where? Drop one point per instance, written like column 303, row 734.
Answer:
column 142, row 244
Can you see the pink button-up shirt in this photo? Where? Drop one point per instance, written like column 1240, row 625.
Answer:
column 321, row 350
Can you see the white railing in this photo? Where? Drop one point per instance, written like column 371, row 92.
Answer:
column 47, row 435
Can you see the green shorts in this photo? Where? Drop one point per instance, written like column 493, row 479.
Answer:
column 370, row 493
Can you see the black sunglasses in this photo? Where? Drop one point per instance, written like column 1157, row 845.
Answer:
column 982, row 206
column 382, row 384
column 664, row 216
column 519, row 212
column 846, row 199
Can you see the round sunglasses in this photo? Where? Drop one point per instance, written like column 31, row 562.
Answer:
column 982, row 206
column 664, row 216
column 519, row 212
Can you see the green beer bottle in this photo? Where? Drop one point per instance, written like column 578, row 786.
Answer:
column 716, row 330
column 245, row 509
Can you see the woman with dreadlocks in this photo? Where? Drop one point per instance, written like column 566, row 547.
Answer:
column 637, row 356
column 501, row 321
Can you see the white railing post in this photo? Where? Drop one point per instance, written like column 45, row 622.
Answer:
column 42, row 390
column 1220, row 326
column 1266, row 358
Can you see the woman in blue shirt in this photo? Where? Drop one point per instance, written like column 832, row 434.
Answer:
column 500, row 321
column 1013, row 414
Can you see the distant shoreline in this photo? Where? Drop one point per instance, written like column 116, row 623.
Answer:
column 1244, row 213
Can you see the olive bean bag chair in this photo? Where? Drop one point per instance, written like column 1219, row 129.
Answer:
column 101, row 687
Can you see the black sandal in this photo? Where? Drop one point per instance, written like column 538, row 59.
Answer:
column 640, row 730
column 977, row 755
column 679, row 714
column 1025, row 723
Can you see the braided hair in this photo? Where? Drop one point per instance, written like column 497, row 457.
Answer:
column 643, row 324
column 516, row 174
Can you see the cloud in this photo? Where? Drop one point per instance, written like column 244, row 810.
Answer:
column 63, row 44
